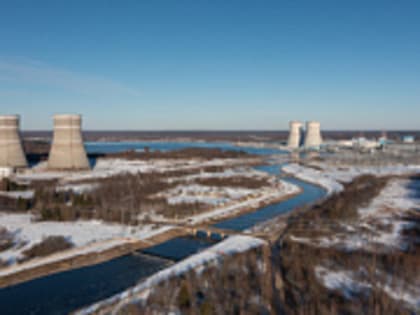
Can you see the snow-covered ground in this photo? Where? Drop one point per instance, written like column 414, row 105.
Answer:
column 409, row 295
column 111, row 167
column 341, row 280
column 311, row 175
column 224, row 207
column 94, row 235
column 78, row 188
column 96, row 247
column 397, row 197
column 379, row 225
column 90, row 248
column 206, row 194
column 347, row 173
column 331, row 177
column 230, row 172
column 24, row 194
column 378, row 229
column 351, row 283
column 232, row 245
column 283, row 190
column 225, row 201
column 388, row 209
column 27, row 232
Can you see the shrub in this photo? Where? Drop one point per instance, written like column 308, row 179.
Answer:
column 184, row 301
column 6, row 239
column 48, row 246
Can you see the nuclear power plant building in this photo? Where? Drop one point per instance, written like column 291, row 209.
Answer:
column 67, row 150
column 11, row 149
column 295, row 134
column 313, row 138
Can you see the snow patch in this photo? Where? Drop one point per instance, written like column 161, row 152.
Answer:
column 342, row 281
column 28, row 232
column 314, row 176
column 24, row 194
column 394, row 199
column 78, row 188
column 283, row 190
column 205, row 194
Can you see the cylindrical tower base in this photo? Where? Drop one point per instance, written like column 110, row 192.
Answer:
column 295, row 132
column 313, row 137
column 67, row 150
column 11, row 149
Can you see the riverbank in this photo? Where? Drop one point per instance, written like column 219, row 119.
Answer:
column 309, row 269
column 108, row 249
column 54, row 266
column 81, row 257
column 333, row 177
column 273, row 196
column 197, row 263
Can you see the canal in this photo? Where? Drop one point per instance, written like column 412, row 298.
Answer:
column 310, row 194
column 67, row 291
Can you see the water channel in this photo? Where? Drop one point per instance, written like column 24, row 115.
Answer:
column 67, row 291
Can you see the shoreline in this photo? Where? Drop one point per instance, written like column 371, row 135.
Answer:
column 270, row 144
column 236, row 245
column 246, row 210
column 239, row 144
column 24, row 273
column 80, row 260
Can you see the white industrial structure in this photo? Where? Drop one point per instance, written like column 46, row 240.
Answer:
column 295, row 133
column 362, row 143
column 313, row 138
column 11, row 149
column 67, row 150
column 408, row 139
column 6, row 172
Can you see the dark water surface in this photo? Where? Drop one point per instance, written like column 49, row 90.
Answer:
column 179, row 248
column 67, row 291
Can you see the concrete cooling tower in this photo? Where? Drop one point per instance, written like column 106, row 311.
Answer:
column 313, row 137
column 11, row 150
column 67, row 150
column 295, row 129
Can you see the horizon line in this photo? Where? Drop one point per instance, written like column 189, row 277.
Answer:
column 224, row 130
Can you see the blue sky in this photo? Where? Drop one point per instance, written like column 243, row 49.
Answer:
column 219, row 64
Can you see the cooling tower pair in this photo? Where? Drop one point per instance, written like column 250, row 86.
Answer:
column 67, row 150
column 313, row 138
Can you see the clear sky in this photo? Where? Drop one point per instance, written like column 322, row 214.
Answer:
column 215, row 64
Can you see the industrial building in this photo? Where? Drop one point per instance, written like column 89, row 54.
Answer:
column 313, row 138
column 67, row 149
column 295, row 134
column 408, row 139
column 11, row 149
